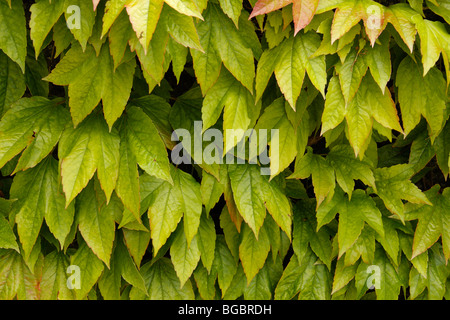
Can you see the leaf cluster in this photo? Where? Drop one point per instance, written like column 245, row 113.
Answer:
column 357, row 92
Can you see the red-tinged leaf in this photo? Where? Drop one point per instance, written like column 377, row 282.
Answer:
column 95, row 3
column 400, row 16
column 349, row 13
column 266, row 6
column 303, row 11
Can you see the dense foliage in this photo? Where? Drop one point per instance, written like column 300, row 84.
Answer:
column 356, row 206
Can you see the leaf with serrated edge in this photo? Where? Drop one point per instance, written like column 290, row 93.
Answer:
column 13, row 33
column 96, row 223
column 38, row 194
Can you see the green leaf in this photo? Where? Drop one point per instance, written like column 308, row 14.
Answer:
column 7, row 236
column 44, row 15
column 111, row 280
column 181, row 28
column 433, row 223
column 84, row 150
column 127, row 186
column 253, row 251
column 34, row 124
column 265, row 69
column 90, row 266
column 291, row 279
column 351, row 72
column 162, row 282
column 390, row 241
column 417, row 283
column 237, row 286
column 434, row 39
column 441, row 7
column 323, row 178
column 334, row 111
column 206, row 283
column 230, row 231
column 232, row 48
column 343, row 275
column 184, row 257
column 127, row 267
column 137, row 243
column 12, row 83
column 206, row 239
column 421, row 151
column 165, row 209
column 80, row 15
column 239, row 108
column 224, row 264
column 168, row 203
column 11, row 268
column 96, row 222
column 207, row 64
column 442, row 149
column 421, row 95
column 275, row 117
column 305, row 233
column 178, row 55
column 186, row 7
column 419, row 262
column 189, row 191
column 183, row 115
column 316, row 282
column 118, row 38
column 364, row 247
column 253, row 193
column 437, row 275
column 352, row 215
column 13, row 34
column 146, row 144
column 91, row 79
column 35, row 70
column 369, row 104
column 112, row 11
column 211, row 189
column 348, row 168
column 378, row 58
column 39, row 196
column 62, row 37
column 144, row 17
column 349, row 13
column 289, row 61
column 232, row 8
column 401, row 15
column 261, row 287
column 54, row 280
column 389, row 286
column 158, row 109
column 393, row 185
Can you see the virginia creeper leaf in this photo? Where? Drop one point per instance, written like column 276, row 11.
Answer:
column 44, row 15
column 253, row 193
column 96, row 222
column 421, row 95
column 89, row 148
column 34, row 124
column 39, row 196
column 13, row 34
